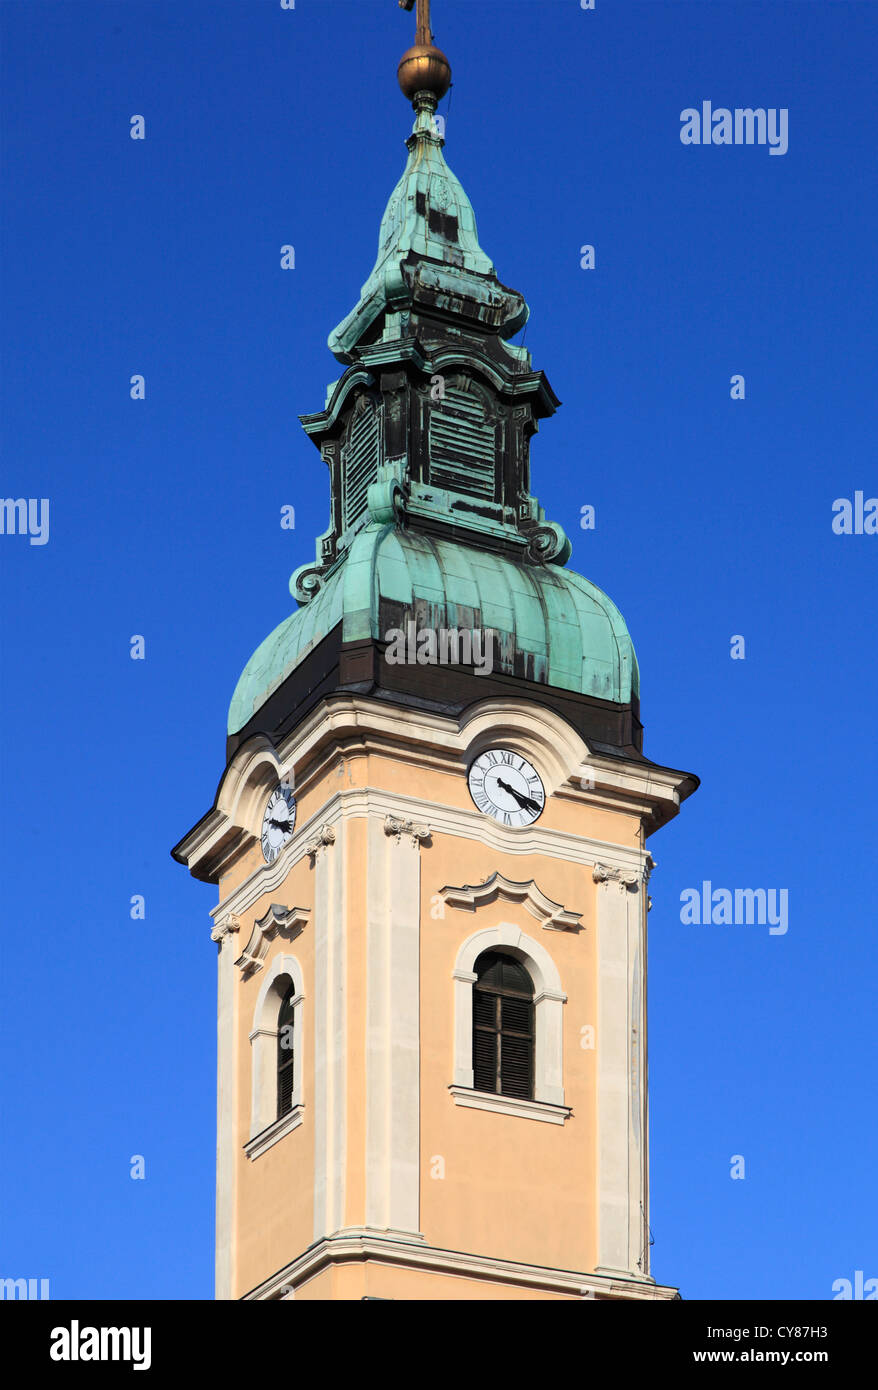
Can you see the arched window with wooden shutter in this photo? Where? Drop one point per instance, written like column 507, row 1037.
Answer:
column 503, row 1027
column 286, row 1054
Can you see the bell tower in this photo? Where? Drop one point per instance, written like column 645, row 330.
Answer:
column 429, row 841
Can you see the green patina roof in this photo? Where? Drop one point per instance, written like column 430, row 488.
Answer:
column 427, row 186
column 567, row 630
column 431, row 514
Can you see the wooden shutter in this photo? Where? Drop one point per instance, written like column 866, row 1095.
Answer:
column 285, row 1056
column 359, row 463
column 463, row 444
column 503, row 1027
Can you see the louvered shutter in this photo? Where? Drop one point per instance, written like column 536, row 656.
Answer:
column 503, row 1027
column 516, row 1047
column 359, row 464
column 484, row 1040
column 485, row 1059
column 285, row 1056
column 463, row 444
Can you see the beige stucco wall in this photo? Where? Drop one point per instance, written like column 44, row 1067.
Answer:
column 513, row 1188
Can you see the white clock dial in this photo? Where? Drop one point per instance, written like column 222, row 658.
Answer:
column 507, row 787
column 278, row 822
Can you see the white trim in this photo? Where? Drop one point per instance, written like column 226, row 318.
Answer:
column 507, row 1105
column 387, row 1248
column 549, row 1000
column 258, row 1145
column 431, row 740
column 263, row 1044
column 467, row 823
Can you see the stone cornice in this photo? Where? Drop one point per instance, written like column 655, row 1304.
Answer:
column 428, row 740
column 471, row 824
column 354, row 1244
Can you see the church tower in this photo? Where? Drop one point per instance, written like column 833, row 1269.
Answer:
column 429, row 841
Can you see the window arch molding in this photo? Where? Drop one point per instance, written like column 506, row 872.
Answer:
column 282, row 972
column 549, row 1001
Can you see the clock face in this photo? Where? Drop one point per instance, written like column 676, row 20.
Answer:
column 507, row 787
column 278, row 822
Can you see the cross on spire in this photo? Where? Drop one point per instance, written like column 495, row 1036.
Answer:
column 424, row 34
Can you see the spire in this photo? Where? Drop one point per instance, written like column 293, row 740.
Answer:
column 423, row 68
column 426, row 436
column 429, row 259
column 429, row 427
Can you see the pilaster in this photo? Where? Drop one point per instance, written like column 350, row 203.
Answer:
column 223, row 934
column 393, row 1024
column 621, row 1099
column 327, row 850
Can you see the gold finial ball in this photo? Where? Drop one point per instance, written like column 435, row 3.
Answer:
column 424, row 68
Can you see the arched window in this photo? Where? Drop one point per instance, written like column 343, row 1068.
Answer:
column 286, row 1053
column 277, row 1039
column 503, row 1027
column 528, row 987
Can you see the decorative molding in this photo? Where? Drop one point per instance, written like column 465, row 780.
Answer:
column 231, row 828
column 385, row 500
column 278, row 921
column 306, row 582
column 354, row 802
column 549, row 914
column 508, row 1105
column 648, row 865
column 354, row 1244
column 547, row 542
column 394, row 825
column 325, row 836
column 260, row 1142
column 627, row 880
column 228, row 924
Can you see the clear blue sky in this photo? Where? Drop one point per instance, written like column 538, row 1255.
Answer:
column 161, row 257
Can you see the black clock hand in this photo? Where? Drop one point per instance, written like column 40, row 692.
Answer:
column 280, row 824
column 522, row 800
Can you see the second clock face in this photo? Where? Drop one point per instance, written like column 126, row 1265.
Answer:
column 278, row 822
column 506, row 787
